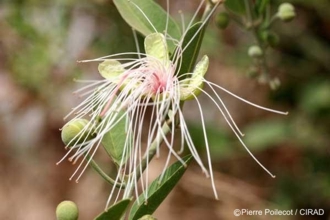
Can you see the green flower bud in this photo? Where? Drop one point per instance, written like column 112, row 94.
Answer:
column 286, row 12
column 147, row 217
column 73, row 133
column 271, row 38
column 222, row 20
column 67, row 210
column 255, row 51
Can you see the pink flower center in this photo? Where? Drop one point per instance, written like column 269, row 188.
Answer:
column 158, row 83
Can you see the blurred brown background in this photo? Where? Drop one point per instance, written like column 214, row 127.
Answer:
column 40, row 42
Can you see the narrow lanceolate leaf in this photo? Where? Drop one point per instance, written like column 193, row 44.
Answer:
column 193, row 39
column 145, row 16
column 158, row 190
column 115, row 212
column 115, row 141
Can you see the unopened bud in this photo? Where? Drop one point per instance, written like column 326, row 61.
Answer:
column 147, row 217
column 67, row 210
column 75, row 132
column 271, row 38
column 286, row 12
column 255, row 51
column 222, row 20
column 274, row 83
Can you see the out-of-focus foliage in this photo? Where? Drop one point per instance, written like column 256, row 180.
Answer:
column 296, row 147
column 40, row 42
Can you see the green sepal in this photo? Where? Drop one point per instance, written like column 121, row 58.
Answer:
column 159, row 189
column 115, row 212
column 156, row 47
column 194, row 83
column 111, row 69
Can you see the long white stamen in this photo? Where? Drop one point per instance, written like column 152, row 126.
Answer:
column 145, row 16
column 237, row 135
column 167, row 15
column 202, row 26
column 182, row 22
column 207, row 148
column 246, row 101
column 136, row 43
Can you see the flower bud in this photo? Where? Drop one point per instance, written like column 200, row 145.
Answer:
column 286, row 12
column 274, row 83
column 67, row 210
column 147, row 217
column 75, row 132
column 255, row 51
column 271, row 38
column 222, row 20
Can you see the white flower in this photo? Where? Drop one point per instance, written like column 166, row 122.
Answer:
column 130, row 87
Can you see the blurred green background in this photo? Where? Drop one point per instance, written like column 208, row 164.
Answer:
column 40, row 42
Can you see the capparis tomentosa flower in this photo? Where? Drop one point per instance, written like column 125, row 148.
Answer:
column 131, row 86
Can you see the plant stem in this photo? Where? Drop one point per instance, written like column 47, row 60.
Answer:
column 265, row 73
column 248, row 11
column 209, row 8
column 98, row 169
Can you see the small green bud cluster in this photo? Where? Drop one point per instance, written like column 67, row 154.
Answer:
column 67, row 210
column 274, row 83
column 286, row 12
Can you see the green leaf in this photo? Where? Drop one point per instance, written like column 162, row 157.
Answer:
column 115, row 140
column 158, row 191
column 155, row 46
column 115, row 212
column 137, row 13
column 190, row 54
column 236, row 6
